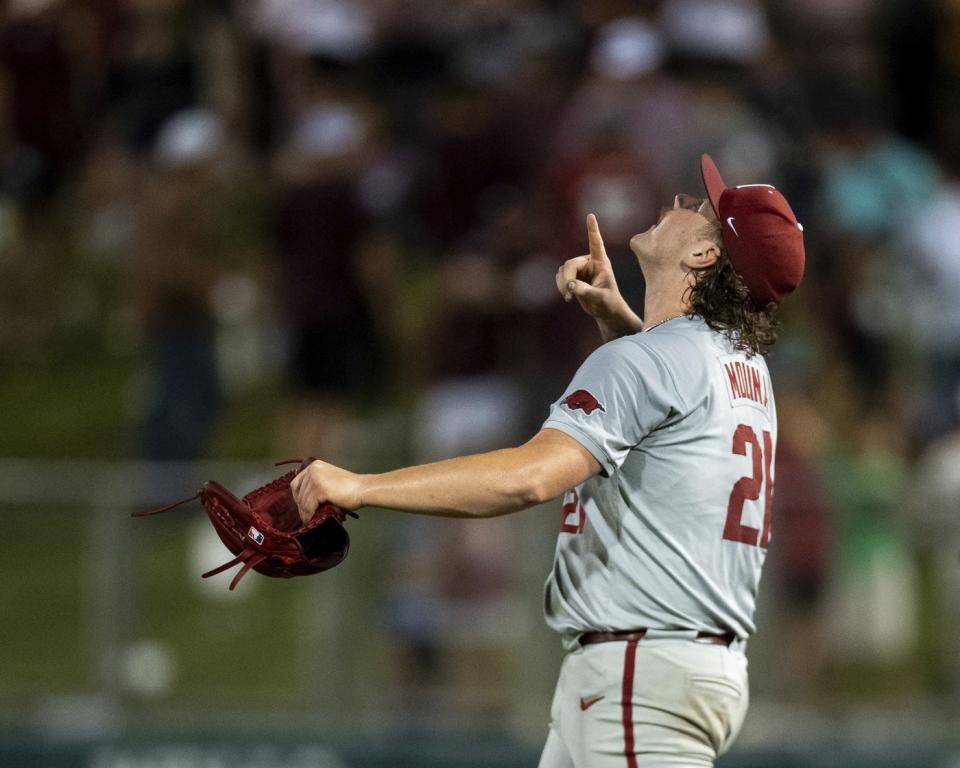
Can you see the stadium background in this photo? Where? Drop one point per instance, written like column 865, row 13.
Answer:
column 235, row 232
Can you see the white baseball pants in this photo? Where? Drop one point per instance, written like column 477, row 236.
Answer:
column 639, row 704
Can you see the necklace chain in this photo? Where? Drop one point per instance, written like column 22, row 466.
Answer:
column 661, row 322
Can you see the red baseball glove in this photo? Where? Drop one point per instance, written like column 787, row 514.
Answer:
column 264, row 530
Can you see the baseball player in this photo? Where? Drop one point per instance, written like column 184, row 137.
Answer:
column 663, row 445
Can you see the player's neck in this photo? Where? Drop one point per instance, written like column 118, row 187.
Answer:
column 663, row 302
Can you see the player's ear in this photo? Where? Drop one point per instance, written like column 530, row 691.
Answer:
column 701, row 254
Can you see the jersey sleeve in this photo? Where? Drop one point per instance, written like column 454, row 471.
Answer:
column 620, row 394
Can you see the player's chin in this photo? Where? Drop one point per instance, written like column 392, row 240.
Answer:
column 639, row 243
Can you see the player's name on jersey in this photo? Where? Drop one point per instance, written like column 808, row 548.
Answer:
column 747, row 383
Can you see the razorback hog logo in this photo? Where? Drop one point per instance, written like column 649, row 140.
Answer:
column 584, row 401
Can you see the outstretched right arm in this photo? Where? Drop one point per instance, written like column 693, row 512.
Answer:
column 481, row 485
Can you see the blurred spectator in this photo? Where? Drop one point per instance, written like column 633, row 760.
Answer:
column 929, row 287
column 714, row 45
column 41, row 142
column 935, row 530
column 915, row 40
column 473, row 402
column 153, row 71
column 334, row 344
column 800, row 559
column 874, row 187
column 874, row 611
column 475, row 150
column 718, row 30
column 623, row 105
column 177, row 266
column 874, row 182
column 830, row 36
column 860, row 321
column 109, row 217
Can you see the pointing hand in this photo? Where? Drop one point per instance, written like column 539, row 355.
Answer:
column 591, row 281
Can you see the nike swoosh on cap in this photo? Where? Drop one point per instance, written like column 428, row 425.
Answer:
column 585, row 704
column 730, row 224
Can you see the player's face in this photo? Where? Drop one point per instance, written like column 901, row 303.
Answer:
column 676, row 227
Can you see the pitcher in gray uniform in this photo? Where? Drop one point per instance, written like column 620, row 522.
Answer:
column 663, row 446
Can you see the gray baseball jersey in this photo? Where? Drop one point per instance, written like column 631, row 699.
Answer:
column 672, row 534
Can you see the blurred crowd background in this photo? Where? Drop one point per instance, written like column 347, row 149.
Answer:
column 254, row 229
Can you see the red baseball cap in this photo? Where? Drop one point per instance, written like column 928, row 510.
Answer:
column 762, row 236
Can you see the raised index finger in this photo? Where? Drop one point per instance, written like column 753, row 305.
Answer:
column 597, row 251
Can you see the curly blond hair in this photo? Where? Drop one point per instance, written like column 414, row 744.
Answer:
column 719, row 296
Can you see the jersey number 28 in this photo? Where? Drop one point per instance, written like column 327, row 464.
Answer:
column 749, row 488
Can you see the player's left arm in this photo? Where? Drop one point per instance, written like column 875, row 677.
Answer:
column 481, row 485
